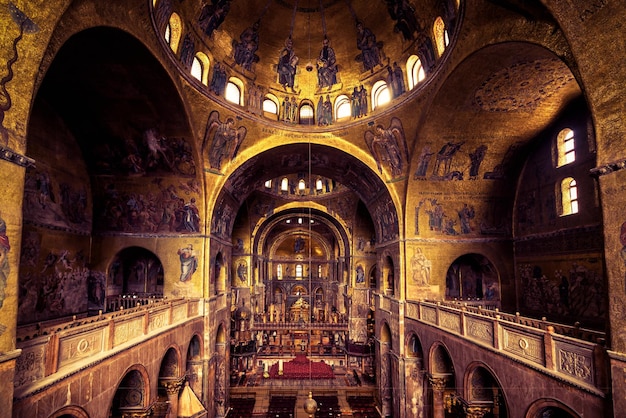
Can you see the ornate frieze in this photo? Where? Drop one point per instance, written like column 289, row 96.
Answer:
column 525, row 345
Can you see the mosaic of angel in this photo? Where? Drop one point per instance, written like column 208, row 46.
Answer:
column 388, row 146
column 225, row 139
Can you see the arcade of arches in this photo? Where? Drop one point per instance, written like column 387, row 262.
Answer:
column 293, row 208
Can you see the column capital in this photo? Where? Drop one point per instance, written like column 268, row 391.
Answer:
column 438, row 383
column 172, row 385
column 477, row 411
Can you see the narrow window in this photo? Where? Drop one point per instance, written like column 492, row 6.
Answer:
column 268, row 184
column 196, row 69
column 233, row 94
column 284, row 184
column 301, row 186
column 270, row 107
column 342, row 107
column 415, row 70
column 279, row 271
column 441, row 37
column 569, row 197
column 380, row 94
column 566, row 147
column 298, row 271
column 307, row 116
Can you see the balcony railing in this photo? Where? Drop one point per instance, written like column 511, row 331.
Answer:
column 64, row 347
column 554, row 348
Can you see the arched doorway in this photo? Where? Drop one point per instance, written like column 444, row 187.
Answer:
column 135, row 275
column 473, row 277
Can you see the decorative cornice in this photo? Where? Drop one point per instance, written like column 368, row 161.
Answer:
column 608, row 168
column 11, row 156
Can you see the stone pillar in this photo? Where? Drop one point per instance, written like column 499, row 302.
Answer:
column 12, row 170
column 172, row 387
column 439, row 386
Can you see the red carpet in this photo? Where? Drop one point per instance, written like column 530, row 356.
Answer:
column 302, row 368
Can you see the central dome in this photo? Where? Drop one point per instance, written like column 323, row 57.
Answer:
column 309, row 48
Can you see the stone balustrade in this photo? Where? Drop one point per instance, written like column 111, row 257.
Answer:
column 58, row 350
column 535, row 343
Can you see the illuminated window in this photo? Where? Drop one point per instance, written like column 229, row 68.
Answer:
column 232, row 94
column 173, row 32
column 415, row 70
column 441, row 35
column 302, row 185
column 319, row 185
column 268, row 184
column 566, row 147
column 196, row 69
column 569, row 197
column 284, row 184
column 380, row 94
column 342, row 107
column 279, row 271
column 270, row 107
column 298, row 271
column 200, row 68
column 307, row 116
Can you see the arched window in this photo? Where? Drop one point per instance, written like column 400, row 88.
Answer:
column 319, row 185
column 173, row 32
column 307, row 116
column 380, row 94
column 301, row 186
column 279, row 271
column 298, row 271
column 200, row 68
column 566, row 147
column 415, row 71
column 270, row 106
column 342, row 107
column 268, row 184
column 569, row 197
column 234, row 91
column 441, row 35
column 284, row 184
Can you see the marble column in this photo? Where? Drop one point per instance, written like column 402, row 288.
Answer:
column 438, row 384
column 172, row 388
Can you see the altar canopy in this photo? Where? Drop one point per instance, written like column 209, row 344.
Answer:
column 302, row 368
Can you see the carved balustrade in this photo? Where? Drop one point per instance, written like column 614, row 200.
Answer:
column 63, row 348
column 529, row 341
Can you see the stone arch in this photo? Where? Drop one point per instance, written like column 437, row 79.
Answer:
column 473, row 276
column 415, row 374
column 388, row 273
column 220, row 273
column 170, row 381
column 133, row 392
column 385, row 367
column 71, row 411
column 194, row 364
column 551, row 408
column 482, row 388
column 134, row 273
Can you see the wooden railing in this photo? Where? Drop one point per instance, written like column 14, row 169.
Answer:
column 537, row 343
column 64, row 347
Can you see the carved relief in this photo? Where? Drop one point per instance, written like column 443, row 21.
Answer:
column 29, row 366
column 78, row 348
column 575, row 364
column 480, row 330
column 527, row 346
